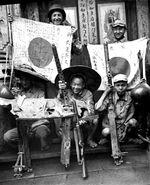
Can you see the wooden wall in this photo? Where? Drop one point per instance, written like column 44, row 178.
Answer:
column 137, row 14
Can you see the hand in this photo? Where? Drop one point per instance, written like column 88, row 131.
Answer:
column 62, row 85
column 73, row 29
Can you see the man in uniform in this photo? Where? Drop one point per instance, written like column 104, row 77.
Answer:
column 119, row 29
column 123, row 109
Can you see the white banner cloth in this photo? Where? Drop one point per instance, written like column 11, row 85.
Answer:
column 32, row 42
column 127, row 50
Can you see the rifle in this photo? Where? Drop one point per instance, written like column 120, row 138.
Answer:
column 78, row 137
column 116, row 153
column 66, row 140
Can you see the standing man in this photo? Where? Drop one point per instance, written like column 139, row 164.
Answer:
column 119, row 29
column 57, row 16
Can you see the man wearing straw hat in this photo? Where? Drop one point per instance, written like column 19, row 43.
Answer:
column 27, row 89
column 81, row 83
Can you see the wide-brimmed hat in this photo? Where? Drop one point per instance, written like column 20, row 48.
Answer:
column 92, row 78
column 26, row 72
column 119, row 65
column 56, row 7
column 120, row 23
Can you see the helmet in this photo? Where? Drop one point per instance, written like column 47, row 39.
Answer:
column 119, row 78
column 120, row 23
column 56, row 7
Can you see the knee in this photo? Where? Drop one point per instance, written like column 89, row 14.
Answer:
column 7, row 137
column 106, row 132
column 132, row 122
column 11, row 135
column 42, row 131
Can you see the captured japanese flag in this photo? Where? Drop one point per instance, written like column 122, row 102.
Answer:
column 123, row 59
column 32, row 43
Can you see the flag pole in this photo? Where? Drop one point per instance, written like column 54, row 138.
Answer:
column 9, row 51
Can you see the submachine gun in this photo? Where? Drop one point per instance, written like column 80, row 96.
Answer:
column 66, row 139
column 116, row 153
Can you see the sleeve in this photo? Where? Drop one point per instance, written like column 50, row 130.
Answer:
column 130, row 112
column 104, row 105
column 76, row 43
column 90, row 102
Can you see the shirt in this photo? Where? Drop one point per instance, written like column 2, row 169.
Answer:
column 32, row 93
column 123, row 108
column 84, row 99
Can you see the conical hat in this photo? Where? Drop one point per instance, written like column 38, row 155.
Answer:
column 92, row 78
column 26, row 72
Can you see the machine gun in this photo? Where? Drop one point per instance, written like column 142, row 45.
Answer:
column 78, row 137
column 66, row 140
column 116, row 153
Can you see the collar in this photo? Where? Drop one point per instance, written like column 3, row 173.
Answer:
column 80, row 95
column 124, row 98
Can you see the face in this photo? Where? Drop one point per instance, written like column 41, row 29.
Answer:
column 57, row 18
column 119, row 32
column 77, row 85
column 120, row 87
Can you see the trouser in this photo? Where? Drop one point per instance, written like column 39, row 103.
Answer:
column 41, row 132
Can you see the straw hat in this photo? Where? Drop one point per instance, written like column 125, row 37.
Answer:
column 92, row 78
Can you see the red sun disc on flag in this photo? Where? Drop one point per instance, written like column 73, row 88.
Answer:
column 40, row 52
column 119, row 65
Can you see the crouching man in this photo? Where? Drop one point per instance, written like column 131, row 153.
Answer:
column 125, row 122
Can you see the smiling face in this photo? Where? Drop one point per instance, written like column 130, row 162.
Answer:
column 120, row 87
column 57, row 18
column 119, row 32
column 77, row 85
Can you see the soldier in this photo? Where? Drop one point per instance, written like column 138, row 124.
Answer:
column 81, row 82
column 124, row 111
column 119, row 29
column 57, row 16
column 28, row 89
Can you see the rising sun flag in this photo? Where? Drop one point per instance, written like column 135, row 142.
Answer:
column 122, row 59
column 32, row 43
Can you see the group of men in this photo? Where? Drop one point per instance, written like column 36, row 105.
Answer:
column 79, row 87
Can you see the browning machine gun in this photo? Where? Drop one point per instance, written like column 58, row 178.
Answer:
column 66, row 140
column 78, row 137
column 116, row 153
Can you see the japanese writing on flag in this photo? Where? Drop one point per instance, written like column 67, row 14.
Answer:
column 32, row 43
column 122, row 59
